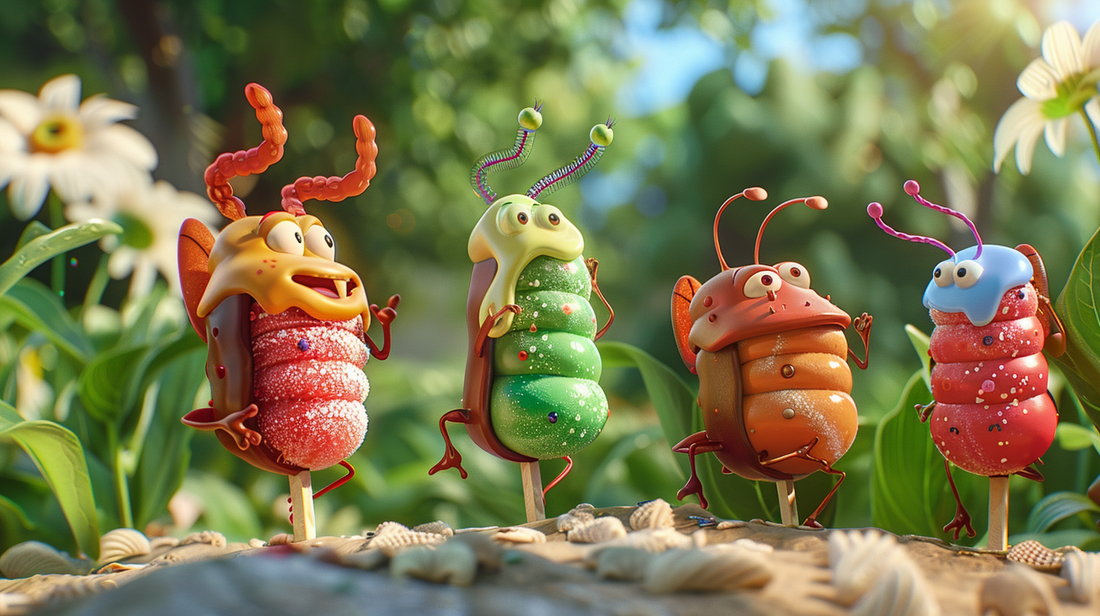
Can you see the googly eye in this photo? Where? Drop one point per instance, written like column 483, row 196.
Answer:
column 761, row 283
column 319, row 242
column 967, row 273
column 522, row 217
column 944, row 274
column 554, row 219
column 513, row 218
column 795, row 274
column 547, row 216
column 286, row 236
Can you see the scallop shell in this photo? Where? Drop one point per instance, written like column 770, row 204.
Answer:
column 1017, row 591
column 598, row 531
column 122, row 543
column 1035, row 555
column 438, row 527
column 727, row 524
column 900, row 590
column 15, row 603
column 520, row 534
column 858, row 559
column 212, row 537
column 34, row 557
column 706, row 570
column 1082, row 569
column 453, row 563
column 623, row 563
column 654, row 514
column 577, row 517
column 652, row 540
column 392, row 536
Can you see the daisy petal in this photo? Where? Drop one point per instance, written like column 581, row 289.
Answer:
column 70, row 178
column 1023, row 115
column 11, row 140
column 1062, row 49
column 98, row 111
column 61, row 94
column 1025, row 147
column 1038, row 81
column 125, row 142
column 21, row 109
column 28, row 189
column 1055, row 134
column 1092, row 108
column 1090, row 48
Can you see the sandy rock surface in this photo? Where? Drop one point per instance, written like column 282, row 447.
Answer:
column 760, row 568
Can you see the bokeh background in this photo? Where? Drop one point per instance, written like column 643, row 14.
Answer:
column 845, row 99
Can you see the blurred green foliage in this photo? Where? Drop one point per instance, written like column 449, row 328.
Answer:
column 443, row 80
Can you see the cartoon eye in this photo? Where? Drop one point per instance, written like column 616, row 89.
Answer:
column 286, row 237
column 761, row 283
column 943, row 275
column 513, row 218
column 522, row 217
column 967, row 274
column 547, row 216
column 795, row 274
column 320, row 243
column 554, row 219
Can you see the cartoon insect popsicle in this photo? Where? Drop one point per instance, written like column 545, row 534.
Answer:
column 532, row 368
column 774, row 384
column 283, row 321
column 991, row 414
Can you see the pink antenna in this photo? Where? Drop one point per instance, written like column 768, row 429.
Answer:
column 817, row 203
column 874, row 210
column 913, row 190
column 753, row 194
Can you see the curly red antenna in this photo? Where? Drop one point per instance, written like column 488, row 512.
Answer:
column 247, row 162
column 337, row 188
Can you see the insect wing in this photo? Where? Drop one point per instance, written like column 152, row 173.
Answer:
column 682, row 295
column 193, row 254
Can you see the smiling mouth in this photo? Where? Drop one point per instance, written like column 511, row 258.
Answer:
column 336, row 288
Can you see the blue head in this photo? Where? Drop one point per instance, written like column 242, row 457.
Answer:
column 971, row 281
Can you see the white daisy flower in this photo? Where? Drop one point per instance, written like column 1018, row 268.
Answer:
column 150, row 219
column 1056, row 86
column 78, row 149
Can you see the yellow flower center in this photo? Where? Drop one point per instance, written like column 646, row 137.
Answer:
column 57, row 133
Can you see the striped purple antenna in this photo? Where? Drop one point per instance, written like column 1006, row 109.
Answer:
column 600, row 136
column 874, row 210
column 529, row 121
column 913, row 190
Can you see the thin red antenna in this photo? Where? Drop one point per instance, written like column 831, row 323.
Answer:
column 817, row 203
column 753, row 194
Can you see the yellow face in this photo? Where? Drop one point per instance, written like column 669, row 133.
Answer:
column 513, row 231
column 284, row 261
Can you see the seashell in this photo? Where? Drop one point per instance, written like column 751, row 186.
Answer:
column 622, row 563
column 653, row 540
column 34, row 558
column 1017, row 591
column 15, row 604
column 598, row 531
column 727, row 524
column 438, row 527
column 901, row 590
column 858, row 559
column 256, row 543
column 281, row 539
column 117, row 567
column 453, row 563
column 1082, row 569
column 748, row 544
column 392, row 536
column 122, row 543
column 1035, row 555
column 520, row 534
column 212, row 537
column 654, row 514
column 577, row 517
column 706, row 570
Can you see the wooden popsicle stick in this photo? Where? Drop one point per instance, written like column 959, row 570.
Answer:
column 301, row 506
column 788, row 508
column 532, row 491
column 998, row 514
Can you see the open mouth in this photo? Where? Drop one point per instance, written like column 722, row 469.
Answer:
column 336, row 288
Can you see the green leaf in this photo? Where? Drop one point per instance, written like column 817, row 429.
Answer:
column 1073, row 437
column 909, row 489
column 33, row 230
column 44, row 247
column 673, row 400
column 108, row 386
column 39, row 309
column 9, row 507
column 60, row 458
column 921, row 343
column 1077, row 307
column 1057, row 507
